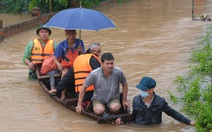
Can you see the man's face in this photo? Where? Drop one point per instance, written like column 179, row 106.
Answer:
column 96, row 51
column 108, row 65
column 43, row 34
column 71, row 35
column 149, row 91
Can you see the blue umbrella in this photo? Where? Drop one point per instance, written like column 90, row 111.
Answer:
column 80, row 19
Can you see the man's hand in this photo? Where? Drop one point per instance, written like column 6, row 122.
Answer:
column 60, row 67
column 79, row 109
column 192, row 123
column 125, row 104
column 31, row 66
column 80, row 48
column 118, row 122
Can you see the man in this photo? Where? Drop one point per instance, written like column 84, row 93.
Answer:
column 67, row 51
column 106, row 80
column 38, row 49
column 148, row 106
column 83, row 65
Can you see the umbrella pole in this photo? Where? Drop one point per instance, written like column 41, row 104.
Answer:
column 79, row 43
column 80, row 30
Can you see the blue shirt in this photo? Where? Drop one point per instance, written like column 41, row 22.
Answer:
column 63, row 47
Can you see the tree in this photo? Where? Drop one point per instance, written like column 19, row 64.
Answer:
column 9, row 6
column 46, row 6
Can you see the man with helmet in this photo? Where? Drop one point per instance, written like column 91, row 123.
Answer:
column 38, row 49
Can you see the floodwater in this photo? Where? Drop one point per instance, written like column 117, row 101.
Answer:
column 9, row 19
column 153, row 38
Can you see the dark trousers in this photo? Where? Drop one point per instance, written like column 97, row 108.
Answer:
column 67, row 82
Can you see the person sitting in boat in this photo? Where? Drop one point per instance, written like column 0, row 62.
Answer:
column 67, row 51
column 106, row 80
column 84, row 63
column 38, row 49
column 148, row 106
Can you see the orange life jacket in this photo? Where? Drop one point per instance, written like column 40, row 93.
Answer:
column 70, row 58
column 81, row 70
column 39, row 53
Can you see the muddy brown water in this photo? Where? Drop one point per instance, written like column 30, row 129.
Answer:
column 152, row 38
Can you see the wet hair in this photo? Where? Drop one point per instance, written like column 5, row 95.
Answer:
column 92, row 46
column 106, row 56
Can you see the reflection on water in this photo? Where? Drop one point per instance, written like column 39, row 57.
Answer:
column 152, row 38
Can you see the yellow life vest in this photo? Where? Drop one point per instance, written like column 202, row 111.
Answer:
column 39, row 53
column 82, row 69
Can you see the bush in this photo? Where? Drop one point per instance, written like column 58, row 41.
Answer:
column 196, row 88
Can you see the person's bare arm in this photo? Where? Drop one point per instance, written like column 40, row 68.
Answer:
column 79, row 107
column 125, row 91
column 56, row 61
column 29, row 64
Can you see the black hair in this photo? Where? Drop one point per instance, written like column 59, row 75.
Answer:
column 106, row 56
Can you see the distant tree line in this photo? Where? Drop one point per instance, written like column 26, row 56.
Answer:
column 46, row 6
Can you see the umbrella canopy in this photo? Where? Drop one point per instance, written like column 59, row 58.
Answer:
column 80, row 19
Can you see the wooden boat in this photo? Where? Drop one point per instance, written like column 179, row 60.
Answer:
column 71, row 102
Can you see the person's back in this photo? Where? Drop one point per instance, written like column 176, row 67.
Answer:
column 82, row 68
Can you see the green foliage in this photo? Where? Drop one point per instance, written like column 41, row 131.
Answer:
column 44, row 5
column 207, row 94
column 194, row 91
column 18, row 6
column 62, row 2
column 32, row 4
column 204, row 56
column 173, row 98
column 121, row 1
column 204, row 118
column 196, row 88
column 89, row 3
column 9, row 6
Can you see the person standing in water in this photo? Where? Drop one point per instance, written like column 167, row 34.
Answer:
column 38, row 49
column 148, row 106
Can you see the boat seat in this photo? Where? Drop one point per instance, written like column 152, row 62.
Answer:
column 48, row 76
column 53, row 73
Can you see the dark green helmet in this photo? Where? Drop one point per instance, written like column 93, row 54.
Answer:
column 43, row 27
